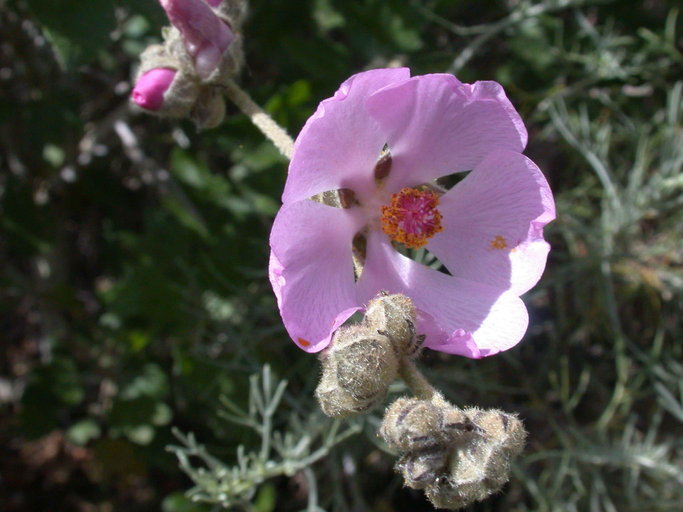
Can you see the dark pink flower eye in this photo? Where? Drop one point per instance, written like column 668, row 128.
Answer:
column 412, row 217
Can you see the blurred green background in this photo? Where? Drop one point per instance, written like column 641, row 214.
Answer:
column 133, row 254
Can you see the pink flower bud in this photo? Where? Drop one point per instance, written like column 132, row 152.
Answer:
column 151, row 86
column 206, row 36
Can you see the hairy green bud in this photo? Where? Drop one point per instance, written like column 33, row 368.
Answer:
column 411, row 424
column 365, row 362
column 500, row 429
column 422, row 468
column 456, row 426
column 182, row 94
column 482, row 466
column 443, row 494
column 209, row 109
column 339, row 403
column 358, row 367
column 457, row 456
column 395, row 317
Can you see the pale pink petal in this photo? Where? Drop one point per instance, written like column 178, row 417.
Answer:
column 205, row 35
column 214, row 3
column 457, row 315
column 437, row 125
column 340, row 144
column 493, row 224
column 149, row 90
column 311, row 270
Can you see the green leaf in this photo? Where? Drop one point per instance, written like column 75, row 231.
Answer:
column 178, row 502
column 78, row 29
column 152, row 382
column 266, row 498
column 83, row 431
column 50, row 391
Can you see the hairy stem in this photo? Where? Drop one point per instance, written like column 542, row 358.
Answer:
column 417, row 382
column 273, row 131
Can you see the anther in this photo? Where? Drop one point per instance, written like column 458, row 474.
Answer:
column 383, row 166
column 412, row 217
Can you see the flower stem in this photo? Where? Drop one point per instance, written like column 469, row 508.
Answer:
column 273, row 131
column 417, row 382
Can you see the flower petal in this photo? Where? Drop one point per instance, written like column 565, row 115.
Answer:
column 311, row 270
column 457, row 315
column 493, row 224
column 437, row 125
column 205, row 35
column 339, row 145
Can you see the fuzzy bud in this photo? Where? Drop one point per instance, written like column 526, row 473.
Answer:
column 162, row 87
column 421, row 468
column 457, row 456
column 473, row 474
column 456, row 427
column 357, row 370
column 336, row 402
column 411, row 424
column 149, row 90
column 209, row 110
column 365, row 362
column 482, row 466
column 500, row 429
column 395, row 316
column 443, row 494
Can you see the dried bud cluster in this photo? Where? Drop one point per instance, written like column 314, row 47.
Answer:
column 201, row 52
column 457, row 456
column 364, row 359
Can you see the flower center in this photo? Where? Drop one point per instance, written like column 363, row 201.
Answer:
column 412, row 217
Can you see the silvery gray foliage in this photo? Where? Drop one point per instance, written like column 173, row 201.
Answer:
column 306, row 441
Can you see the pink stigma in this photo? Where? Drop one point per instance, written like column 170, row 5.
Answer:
column 412, row 217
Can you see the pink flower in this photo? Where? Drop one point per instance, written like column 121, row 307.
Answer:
column 149, row 90
column 206, row 36
column 487, row 230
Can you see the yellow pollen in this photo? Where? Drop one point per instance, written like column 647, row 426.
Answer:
column 303, row 342
column 412, row 217
column 499, row 242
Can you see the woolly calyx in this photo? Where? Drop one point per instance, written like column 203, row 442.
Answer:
column 412, row 424
column 232, row 12
column 420, row 469
column 503, row 430
column 457, row 456
column 181, row 93
column 457, row 427
column 336, row 402
column 209, row 109
column 395, row 316
column 357, row 369
column 482, row 467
